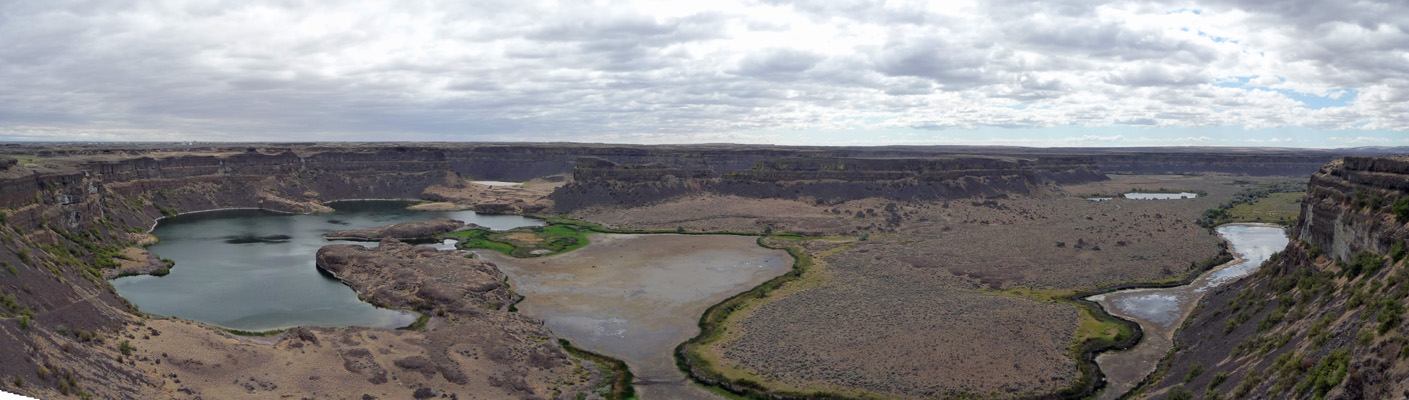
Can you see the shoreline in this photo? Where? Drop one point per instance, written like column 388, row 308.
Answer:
column 1195, row 296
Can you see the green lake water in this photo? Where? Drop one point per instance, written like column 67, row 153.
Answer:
column 255, row 270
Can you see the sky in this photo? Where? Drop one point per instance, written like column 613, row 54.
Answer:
column 1285, row 73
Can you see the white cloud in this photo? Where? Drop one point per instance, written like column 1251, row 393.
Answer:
column 650, row 70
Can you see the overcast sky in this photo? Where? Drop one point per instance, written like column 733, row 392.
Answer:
column 1299, row 73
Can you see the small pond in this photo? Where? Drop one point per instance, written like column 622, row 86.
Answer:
column 255, row 270
column 1160, row 196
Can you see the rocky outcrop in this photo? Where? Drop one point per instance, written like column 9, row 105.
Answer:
column 1325, row 318
column 823, row 180
column 1348, row 206
column 414, row 230
column 529, row 198
column 400, row 275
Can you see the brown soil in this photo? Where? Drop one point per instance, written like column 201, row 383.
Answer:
column 438, row 206
column 528, row 198
column 907, row 312
column 523, row 238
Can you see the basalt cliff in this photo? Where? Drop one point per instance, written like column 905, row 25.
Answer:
column 1325, row 317
column 823, row 180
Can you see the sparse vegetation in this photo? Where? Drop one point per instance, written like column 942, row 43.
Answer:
column 557, row 237
column 1223, row 213
column 1401, row 209
column 1194, row 372
column 1365, row 262
column 619, row 379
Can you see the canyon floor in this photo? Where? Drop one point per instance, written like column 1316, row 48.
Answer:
column 892, row 297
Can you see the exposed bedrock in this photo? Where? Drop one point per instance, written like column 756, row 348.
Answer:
column 1347, row 204
column 401, row 275
column 414, row 230
column 1324, row 318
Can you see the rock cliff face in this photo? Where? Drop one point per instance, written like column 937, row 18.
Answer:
column 827, row 180
column 1232, row 163
column 1347, row 206
column 66, row 218
column 1323, row 319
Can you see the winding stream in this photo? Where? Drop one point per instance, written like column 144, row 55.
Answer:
column 1160, row 312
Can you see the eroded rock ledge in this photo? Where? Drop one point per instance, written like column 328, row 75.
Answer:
column 396, row 274
column 403, row 231
column 468, row 299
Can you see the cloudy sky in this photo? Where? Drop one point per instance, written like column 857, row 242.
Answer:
column 1300, row 73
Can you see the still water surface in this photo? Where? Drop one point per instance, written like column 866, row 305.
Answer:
column 1160, row 196
column 636, row 297
column 255, row 270
column 1161, row 311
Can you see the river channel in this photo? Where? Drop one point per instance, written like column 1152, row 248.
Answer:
column 1160, row 312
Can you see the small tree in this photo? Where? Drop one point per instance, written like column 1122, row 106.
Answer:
column 1401, row 209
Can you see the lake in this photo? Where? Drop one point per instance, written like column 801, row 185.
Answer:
column 255, row 270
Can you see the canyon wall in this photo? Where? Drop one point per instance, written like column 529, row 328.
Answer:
column 1322, row 319
column 600, row 182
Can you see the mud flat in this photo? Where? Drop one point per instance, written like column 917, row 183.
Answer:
column 497, row 183
column 253, row 270
column 1161, row 311
column 636, row 297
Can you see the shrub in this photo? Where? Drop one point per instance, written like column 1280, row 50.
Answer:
column 1397, row 252
column 126, row 348
column 1194, row 372
column 1326, row 374
column 1217, row 380
column 1391, row 314
column 1180, row 393
column 1365, row 263
column 1401, row 209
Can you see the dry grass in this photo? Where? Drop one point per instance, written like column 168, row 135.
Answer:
column 952, row 298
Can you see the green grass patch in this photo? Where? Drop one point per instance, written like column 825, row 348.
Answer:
column 525, row 242
column 1222, row 214
column 420, row 324
column 1276, row 208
